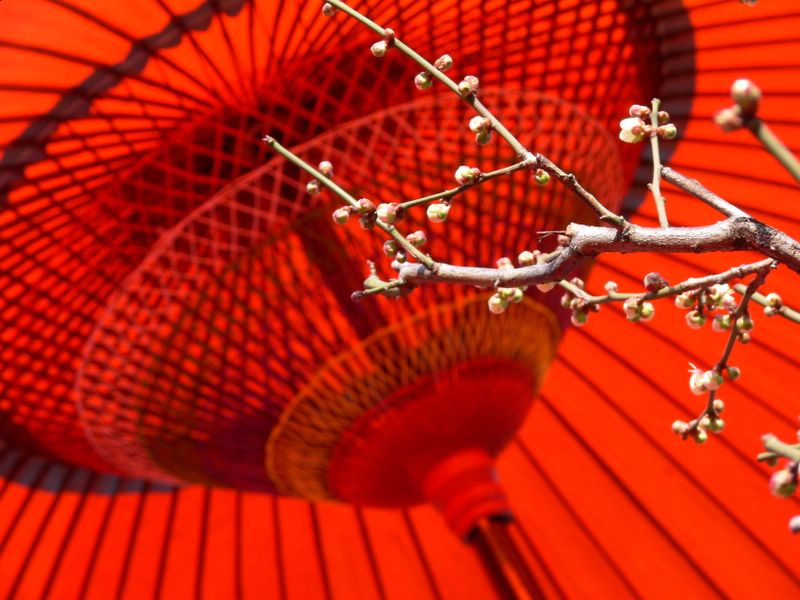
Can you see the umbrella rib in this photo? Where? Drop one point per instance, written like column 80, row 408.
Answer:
column 577, row 518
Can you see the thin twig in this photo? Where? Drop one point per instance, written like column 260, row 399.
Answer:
column 452, row 192
column 774, row 146
column 655, row 185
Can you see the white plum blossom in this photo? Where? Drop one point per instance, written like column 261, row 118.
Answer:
column 632, row 130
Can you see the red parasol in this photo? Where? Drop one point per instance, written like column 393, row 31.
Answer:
column 173, row 303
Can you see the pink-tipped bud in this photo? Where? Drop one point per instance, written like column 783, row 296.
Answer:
column 468, row 86
column 663, row 117
column 437, row 213
column 388, row 212
column 747, row 95
column 465, row 174
column 729, row 119
column 631, row 309
column 379, row 49
column 654, row 281
column 639, row 111
column 341, row 215
column 423, row 80
column 668, row 131
column 478, row 124
column 326, row 168
column 611, row 287
column 418, row 238
column 444, row 62
column 329, row 9
column 364, row 206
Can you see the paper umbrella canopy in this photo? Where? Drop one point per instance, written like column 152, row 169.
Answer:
column 191, row 405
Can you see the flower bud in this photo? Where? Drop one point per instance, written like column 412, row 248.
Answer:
column 423, row 80
column 400, row 256
column 654, row 282
column 744, row 323
column 729, row 119
column 695, row 319
column 782, row 483
column 368, row 220
column 483, row 137
column 497, row 304
column 668, row 131
column 518, row 295
column 721, row 323
column 326, row 168
column 663, row 117
column 611, row 287
column 679, row 427
column 774, row 299
column 313, row 187
column 504, row 263
column 478, row 124
column 684, row 300
column 444, row 62
column 639, row 111
column 716, row 425
column 632, row 130
column 541, row 177
column 388, row 212
column 700, row 436
column 341, row 215
column 364, row 206
column 379, row 49
column 631, row 309
column 329, row 9
column 468, row 86
column 526, row 258
column 506, row 293
column 747, row 95
column 718, row 405
column 646, row 311
column 771, row 311
column 744, row 337
column 437, row 213
column 390, row 248
column 794, row 522
column 579, row 317
column 697, row 382
column 732, row 373
column 465, row 174
column 566, row 299
column 418, row 238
